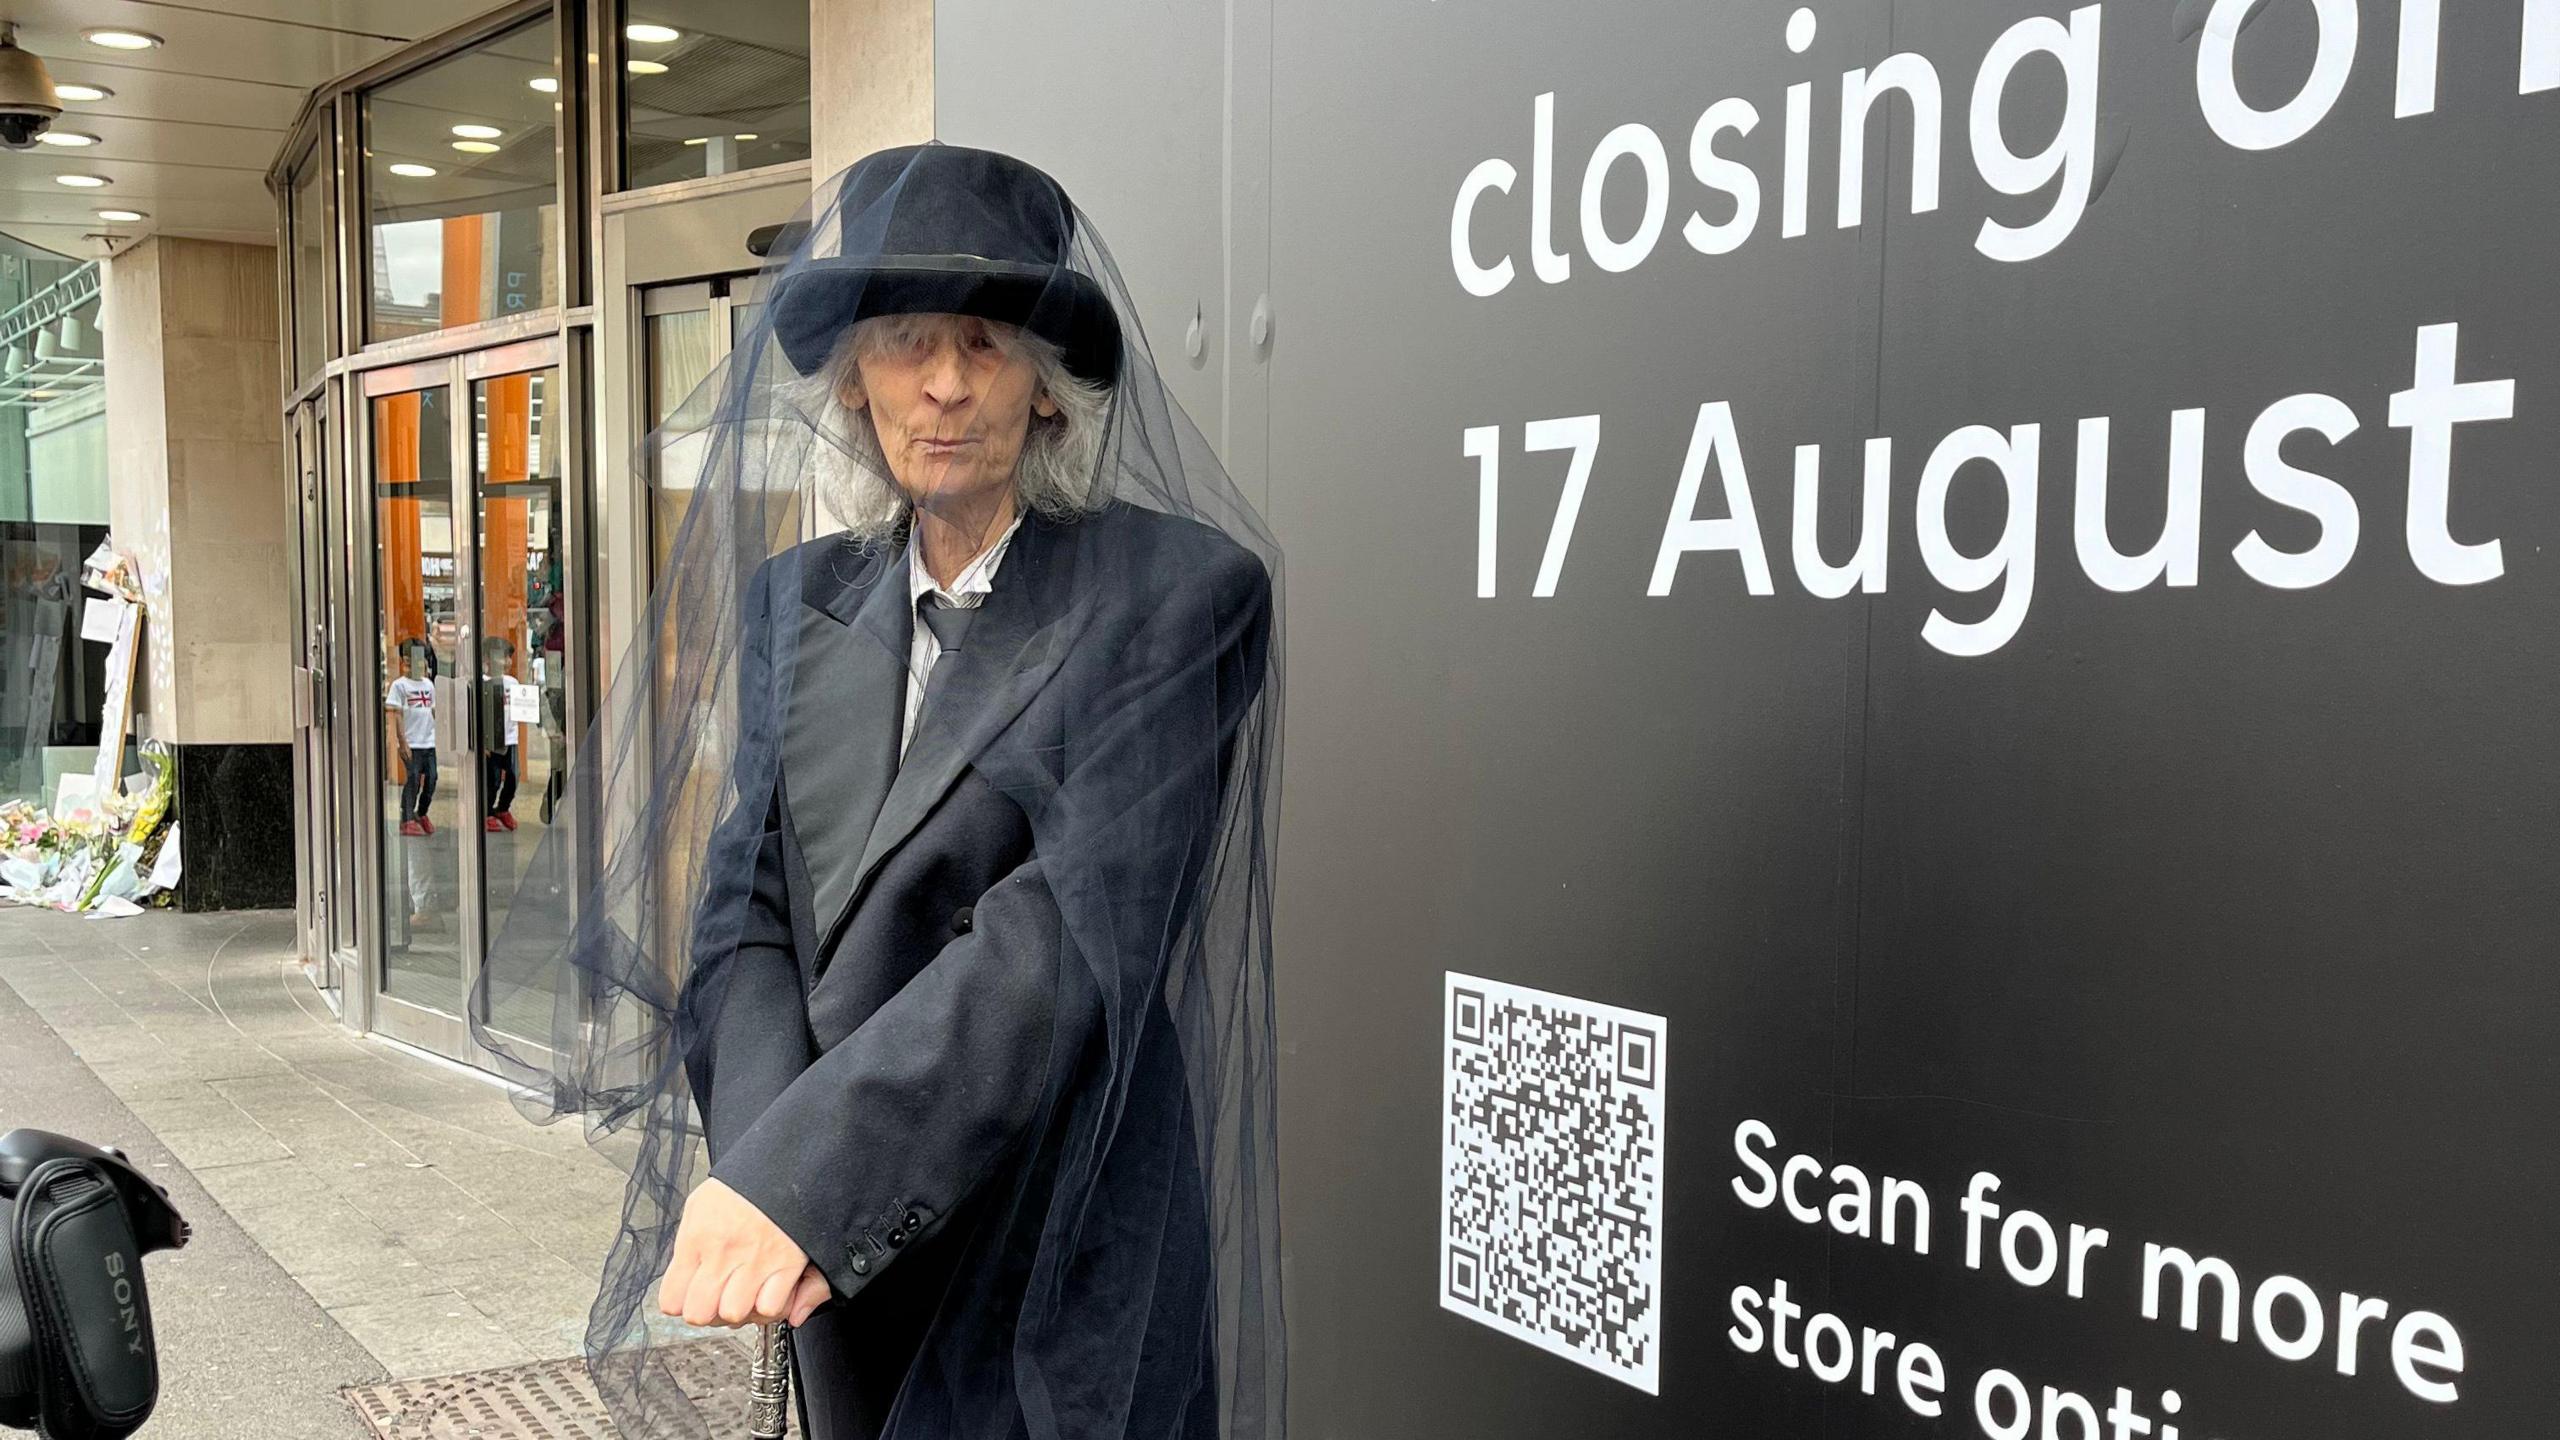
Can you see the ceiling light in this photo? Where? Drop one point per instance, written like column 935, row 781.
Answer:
column 646, row 67
column 547, row 84
column 652, row 34
column 699, row 140
column 72, row 139
column 43, row 394
column 74, row 334
column 82, row 182
column 47, row 348
column 475, row 147
column 478, row 132
column 413, row 170
column 122, row 217
column 76, row 90
column 17, row 359
column 121, row 39
column 743, row 137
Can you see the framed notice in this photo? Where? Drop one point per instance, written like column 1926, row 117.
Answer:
column 115, row 716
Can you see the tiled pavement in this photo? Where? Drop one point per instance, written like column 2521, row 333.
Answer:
column 245, row 1354
column 424, row 1215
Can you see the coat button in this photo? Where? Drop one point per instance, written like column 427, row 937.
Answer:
column 897, row 1238
column 861, row 1263
column 962, row 919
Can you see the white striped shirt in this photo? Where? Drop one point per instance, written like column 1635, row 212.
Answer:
column 967, row 591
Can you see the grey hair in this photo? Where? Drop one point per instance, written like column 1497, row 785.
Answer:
column 1055, row 475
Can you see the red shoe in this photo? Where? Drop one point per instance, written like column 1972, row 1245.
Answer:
column 411, row 827
column 491, row 825
column 426, row 826
column 507, row 818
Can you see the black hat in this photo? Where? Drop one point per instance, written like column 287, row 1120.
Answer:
column 944, row 229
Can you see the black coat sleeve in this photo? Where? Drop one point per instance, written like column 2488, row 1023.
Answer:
column 884, row 1135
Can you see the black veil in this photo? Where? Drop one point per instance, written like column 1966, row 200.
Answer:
column 1137, row 729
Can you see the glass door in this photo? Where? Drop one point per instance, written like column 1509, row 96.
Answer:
column 520, row 730
column 476, row 637
column 687, row 331
column 423, row 782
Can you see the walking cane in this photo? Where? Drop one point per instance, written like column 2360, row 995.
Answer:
column 769, row 1384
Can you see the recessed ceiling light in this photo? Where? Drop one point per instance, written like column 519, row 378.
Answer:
column 75, row 90
column 413, row 170
column 121, row 39
column 647, row 67
column 699, row 140
column 547, row 84
column 478, row 132
column 475, row 147
column 652, row 34
column 82, row 182
column 71, row 139
column 122, row 217
column 744, row 137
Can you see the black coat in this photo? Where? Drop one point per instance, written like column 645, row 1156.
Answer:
column 901, row 1004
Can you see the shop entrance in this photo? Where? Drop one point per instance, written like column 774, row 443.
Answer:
column 474, row 644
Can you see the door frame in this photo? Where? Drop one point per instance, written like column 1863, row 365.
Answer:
column 317, row 898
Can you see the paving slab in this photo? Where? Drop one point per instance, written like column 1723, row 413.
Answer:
column 392, row 1190
column 245, row 1352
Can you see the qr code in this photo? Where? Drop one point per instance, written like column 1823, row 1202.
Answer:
column 1551, row 1174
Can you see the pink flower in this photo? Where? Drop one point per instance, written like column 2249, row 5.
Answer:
column 30, row 833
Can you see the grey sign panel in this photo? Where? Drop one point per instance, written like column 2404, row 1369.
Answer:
column 2150, row 832
column 1130, row 107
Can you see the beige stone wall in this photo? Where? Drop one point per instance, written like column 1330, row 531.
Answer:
column 871, row 77
column 197, row 485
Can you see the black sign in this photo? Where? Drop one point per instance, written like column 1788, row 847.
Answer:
column 1924, row 780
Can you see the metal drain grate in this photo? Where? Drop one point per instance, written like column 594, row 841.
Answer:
column 553, row 1400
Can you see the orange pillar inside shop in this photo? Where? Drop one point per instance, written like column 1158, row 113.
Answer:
column 504, row 517
column 463, row 240
column 404, row 582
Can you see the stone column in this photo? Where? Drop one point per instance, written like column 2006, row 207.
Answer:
column 871, row 78
column 198, row 489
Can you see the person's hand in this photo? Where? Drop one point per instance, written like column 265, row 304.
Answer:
column 812, row 1292
column 732, row 1266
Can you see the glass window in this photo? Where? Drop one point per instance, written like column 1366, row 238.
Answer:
column 711, row 89
column 461, row 176
column 310, row 264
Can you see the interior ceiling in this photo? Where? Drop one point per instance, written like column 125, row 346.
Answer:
column 193, row 125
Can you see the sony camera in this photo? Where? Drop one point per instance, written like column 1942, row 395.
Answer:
column 78, row 1355
column 28, row 103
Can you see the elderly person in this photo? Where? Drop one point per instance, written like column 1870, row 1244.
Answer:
column 931, row 1028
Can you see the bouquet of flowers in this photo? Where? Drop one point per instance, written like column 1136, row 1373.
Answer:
column 98, row 855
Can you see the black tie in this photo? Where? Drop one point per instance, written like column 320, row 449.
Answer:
column 947, row 622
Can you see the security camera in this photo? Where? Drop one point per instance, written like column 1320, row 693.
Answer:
column 28, row 103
